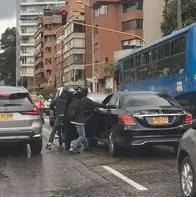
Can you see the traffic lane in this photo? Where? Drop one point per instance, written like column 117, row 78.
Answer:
column 53, row 173
column 154, row 169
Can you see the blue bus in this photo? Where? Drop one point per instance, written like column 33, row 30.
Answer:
column 168, row 65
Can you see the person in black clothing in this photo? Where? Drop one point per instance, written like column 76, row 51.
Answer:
column 61, row 106
column 79, row 114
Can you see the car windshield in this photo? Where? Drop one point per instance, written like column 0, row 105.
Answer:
column 137, row 100
column 14, row 99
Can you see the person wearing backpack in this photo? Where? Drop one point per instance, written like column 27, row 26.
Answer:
column 78, row 117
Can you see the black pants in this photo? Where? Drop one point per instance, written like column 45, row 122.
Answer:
column 57, row 126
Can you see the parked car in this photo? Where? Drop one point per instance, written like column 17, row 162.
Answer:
column 187, row 162
column 20, row 119
column 139, row 119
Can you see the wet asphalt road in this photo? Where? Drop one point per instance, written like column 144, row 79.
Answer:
column 57, row 173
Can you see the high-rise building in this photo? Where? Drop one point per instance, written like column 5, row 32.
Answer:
column 28, row 12
column 45, row 48
column 74, row 46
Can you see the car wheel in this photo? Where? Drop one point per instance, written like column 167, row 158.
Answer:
column 175, row 147
column 51, row 122
column 36, row 146
column 187, row 178
column 112, row 145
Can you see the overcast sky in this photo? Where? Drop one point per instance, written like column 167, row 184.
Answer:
column 7, row 14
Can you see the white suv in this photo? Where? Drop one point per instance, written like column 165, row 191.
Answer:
column 20, row 119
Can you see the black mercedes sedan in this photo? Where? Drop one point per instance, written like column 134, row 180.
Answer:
column 139, row 119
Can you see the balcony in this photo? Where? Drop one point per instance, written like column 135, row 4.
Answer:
column 59, row 60
column 27, row 44
column 28, row 24
column 38, row 41
column 30, row 13
column 28, row 64
column 37, row 52
column 39, row 71
column 48, row 32
column 39, row 61
column 33, row 2
column 57, row 20
column 27, row 34
column 38, row 31
column 26, row 54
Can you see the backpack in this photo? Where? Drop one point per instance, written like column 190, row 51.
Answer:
column 72, row 109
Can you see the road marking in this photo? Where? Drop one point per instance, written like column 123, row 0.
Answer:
column 124, row 178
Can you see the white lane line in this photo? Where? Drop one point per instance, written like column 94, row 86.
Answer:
column 124, row 178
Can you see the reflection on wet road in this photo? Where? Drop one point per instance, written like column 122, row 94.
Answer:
column 58, row 173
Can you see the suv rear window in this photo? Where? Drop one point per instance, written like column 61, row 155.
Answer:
column 139, row 100
column 15, row 99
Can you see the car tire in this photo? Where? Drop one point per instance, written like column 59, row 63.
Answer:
column 36, row 146
column 175, row 147
column 186, row 163
column 112, row 146
column 51, row 122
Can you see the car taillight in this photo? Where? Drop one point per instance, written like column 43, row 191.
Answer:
column 188, row 119
column 126, row 119
column 34, row 112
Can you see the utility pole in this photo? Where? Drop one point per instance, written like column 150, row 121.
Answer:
column 93, row 51
column 179, row 14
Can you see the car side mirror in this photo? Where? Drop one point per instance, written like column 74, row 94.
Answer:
column 194, row 124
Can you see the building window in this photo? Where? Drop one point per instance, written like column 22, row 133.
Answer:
column 48, row 49
column 101, row 10
column 79, row 28
column 131, row 44
column 132, row 25
column 48, row 61
column 79, row 75
column 132, row 5
column 77, row 59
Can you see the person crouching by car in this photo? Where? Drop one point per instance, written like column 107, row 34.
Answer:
column 80, row 105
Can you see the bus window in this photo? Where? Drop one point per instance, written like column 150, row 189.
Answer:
column 178, row 44
column 178, row 64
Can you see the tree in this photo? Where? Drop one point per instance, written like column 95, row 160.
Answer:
column 109, row 68
column 8, row 56
column 169, row 23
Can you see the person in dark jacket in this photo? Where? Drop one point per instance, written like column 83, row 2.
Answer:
column 61, row 104
column 79, row 114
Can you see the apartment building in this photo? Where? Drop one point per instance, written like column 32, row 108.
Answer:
column 59, row 56
column 45, row 49
column 74, row 52
column 28, row 11
column 130, row 16
column 74, row 46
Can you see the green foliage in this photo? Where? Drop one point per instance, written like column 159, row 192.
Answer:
column 110, row 68
column 169, row 23
column 8, row 56
column 46, row 92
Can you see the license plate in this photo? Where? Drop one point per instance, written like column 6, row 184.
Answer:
column 6, row 117
column 160, row 120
